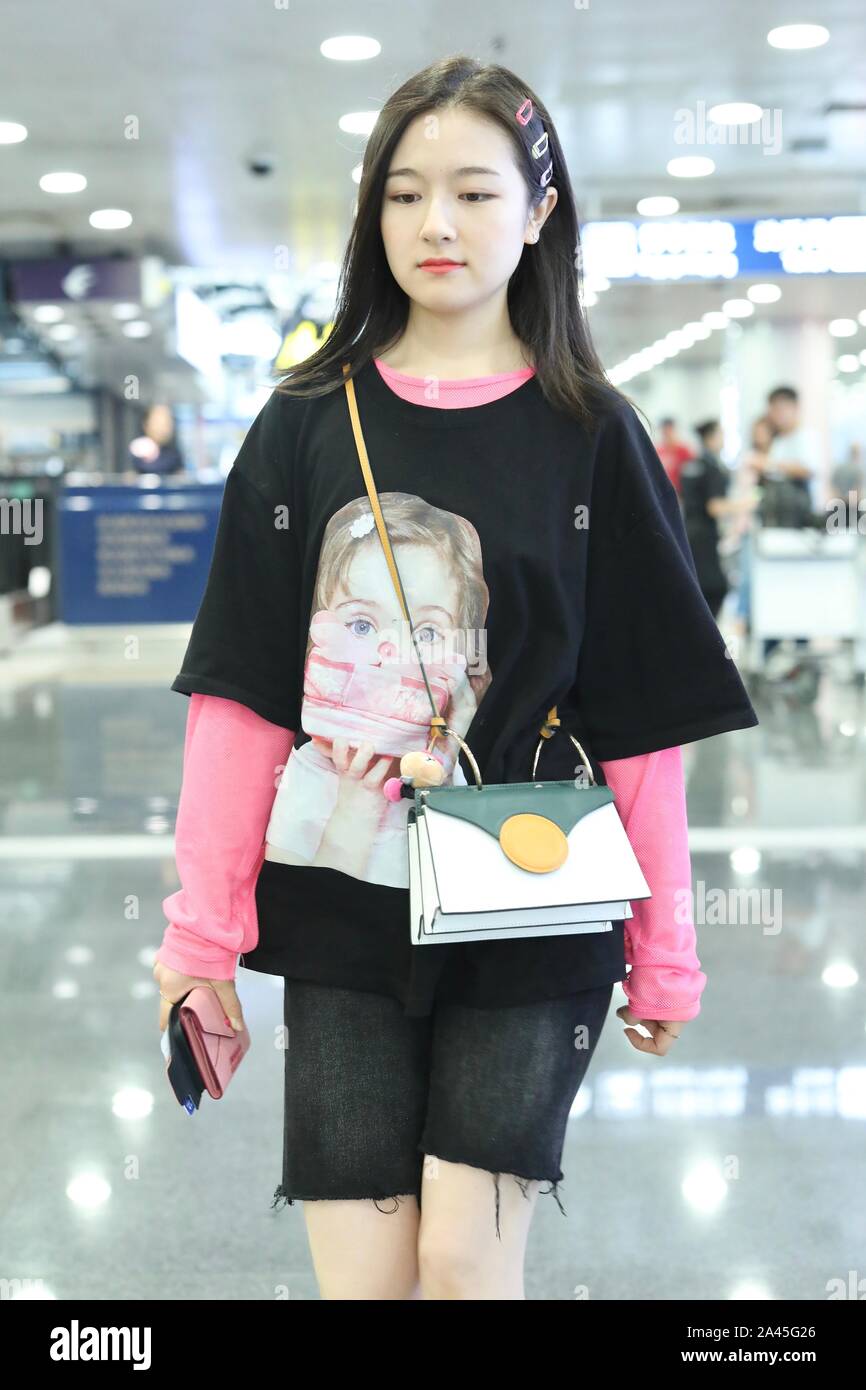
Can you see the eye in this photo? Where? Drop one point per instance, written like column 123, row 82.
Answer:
column 395, row 198
column 361, row 627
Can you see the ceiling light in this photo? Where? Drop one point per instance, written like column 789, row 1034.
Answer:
column 715, row 319
column 137, row 328
column 358, row 122
column 61, row 332
column 735, row 113
column 842, row 328
column 738, row 308
column 848, row 362
column 48, row 313
column 11, row 132
column 657, row 206
column 698, row 330
column 690, row 166
column 764, row 294
column 798, row 36
column 110, row 219
column 357, row 173
column 64, row 182
column 125, row 311
column 350, row 48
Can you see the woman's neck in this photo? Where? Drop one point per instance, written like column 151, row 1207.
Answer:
column 424, row 354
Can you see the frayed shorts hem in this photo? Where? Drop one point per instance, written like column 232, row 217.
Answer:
column 281, row 1195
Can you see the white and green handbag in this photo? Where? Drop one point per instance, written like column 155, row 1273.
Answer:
column 512, row 859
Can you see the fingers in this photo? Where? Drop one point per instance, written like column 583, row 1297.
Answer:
column 227, row 995
column 174, row 985
column 351, row 763
column 375, row 776
column 661, row 1039
column 359, row 763
column 654, row 1044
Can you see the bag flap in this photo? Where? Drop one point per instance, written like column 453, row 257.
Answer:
column 562, row 802
column 203, row 1010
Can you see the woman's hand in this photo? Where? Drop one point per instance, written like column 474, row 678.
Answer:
column 173, row 986
column 664, row 1034
column 350, row 833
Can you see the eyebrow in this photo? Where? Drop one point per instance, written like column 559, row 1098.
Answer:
column 466, row 169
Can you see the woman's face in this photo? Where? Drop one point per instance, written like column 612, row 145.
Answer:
column 159, row 424
column 433, row 208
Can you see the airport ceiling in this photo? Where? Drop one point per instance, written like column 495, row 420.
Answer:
column 217, row 84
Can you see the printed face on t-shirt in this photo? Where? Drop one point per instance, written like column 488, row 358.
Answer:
column 365, row 700
column 366, row 604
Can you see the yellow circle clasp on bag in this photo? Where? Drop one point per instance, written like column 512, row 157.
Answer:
column 533, row 842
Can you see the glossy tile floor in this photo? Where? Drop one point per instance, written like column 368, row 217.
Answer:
column 732, row 1168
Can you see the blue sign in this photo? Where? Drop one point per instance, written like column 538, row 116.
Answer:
column 665, row 249
column 133, row 554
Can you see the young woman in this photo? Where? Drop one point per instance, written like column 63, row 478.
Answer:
column 540, row 541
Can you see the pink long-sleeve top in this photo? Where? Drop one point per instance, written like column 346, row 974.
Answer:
column 231, row 765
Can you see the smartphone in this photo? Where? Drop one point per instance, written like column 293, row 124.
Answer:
column 181, row 1067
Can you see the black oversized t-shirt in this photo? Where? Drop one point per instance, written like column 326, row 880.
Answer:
column 544, row 563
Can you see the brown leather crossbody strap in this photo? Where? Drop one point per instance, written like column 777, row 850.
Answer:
column 551, row 723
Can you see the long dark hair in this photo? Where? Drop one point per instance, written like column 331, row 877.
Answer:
column 543, row 303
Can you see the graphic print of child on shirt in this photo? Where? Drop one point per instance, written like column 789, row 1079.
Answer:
column 365, row 703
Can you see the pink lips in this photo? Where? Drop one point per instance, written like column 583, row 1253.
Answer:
column 440, row 267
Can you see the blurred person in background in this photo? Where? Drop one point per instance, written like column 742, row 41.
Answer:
column 748, row 482
column 704, row 483
column 672, row 451
column 763, row 434
column 154, row 451
column 791, row 464
column 848, row 483
column 788, row 478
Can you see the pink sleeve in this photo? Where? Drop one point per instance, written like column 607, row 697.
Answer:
column 231, row 765
column 666, row 980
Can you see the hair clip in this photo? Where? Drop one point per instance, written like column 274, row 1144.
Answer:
column 540, row 146
column 362, row 525
column 524, row 120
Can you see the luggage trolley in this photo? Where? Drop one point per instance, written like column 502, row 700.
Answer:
column 808, row 583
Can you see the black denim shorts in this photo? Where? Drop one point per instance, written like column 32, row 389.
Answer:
column 369, row 1091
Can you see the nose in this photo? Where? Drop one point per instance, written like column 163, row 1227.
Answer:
column 387, row 650
column 437, row 225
